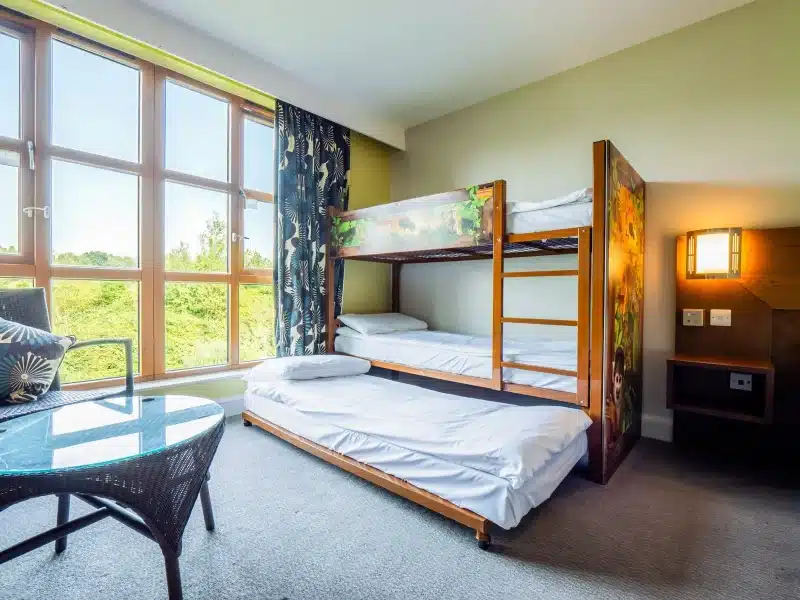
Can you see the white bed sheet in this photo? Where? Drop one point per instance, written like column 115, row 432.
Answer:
column 465, row 355
column 557, row 217
column 451, row 446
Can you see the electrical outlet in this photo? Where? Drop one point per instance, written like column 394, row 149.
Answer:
column 693, row 317
column 741, row 381
column 720, row 317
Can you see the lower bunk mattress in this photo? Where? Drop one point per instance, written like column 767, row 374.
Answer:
column 469, row 355
column 494, row 459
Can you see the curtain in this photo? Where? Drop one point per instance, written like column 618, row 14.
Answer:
column 313, row 173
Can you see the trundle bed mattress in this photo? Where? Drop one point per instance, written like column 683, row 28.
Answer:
column 496, row 460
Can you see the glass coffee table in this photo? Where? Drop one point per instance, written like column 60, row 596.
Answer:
column 142, row 460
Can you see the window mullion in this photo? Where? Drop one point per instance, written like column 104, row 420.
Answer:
column 27, row 121
column 147, row 221
column 42, row 173
column 236, row 217
column 158, row 220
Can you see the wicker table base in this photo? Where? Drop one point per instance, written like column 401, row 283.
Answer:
column 153, row 494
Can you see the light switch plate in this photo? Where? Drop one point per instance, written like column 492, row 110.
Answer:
column 720, row 317
column 741, row 381
column 693, row 317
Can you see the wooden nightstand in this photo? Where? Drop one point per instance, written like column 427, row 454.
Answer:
column 702, row 385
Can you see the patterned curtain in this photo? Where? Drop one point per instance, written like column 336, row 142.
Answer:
column 313, row 162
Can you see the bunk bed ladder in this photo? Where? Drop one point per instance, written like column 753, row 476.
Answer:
column 583, row 272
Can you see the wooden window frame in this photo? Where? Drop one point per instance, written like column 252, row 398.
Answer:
column 25, row 181
column 34, row 259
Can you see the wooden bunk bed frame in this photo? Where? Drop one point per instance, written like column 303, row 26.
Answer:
column 371, row 235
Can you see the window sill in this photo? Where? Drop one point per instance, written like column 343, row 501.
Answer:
column 143, row 386
column 233, row 405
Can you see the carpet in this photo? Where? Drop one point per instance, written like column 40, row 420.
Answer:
column 291, row 527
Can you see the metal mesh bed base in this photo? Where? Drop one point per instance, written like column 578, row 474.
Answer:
column 563, row 245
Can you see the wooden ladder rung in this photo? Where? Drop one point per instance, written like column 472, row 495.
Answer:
column 554, row 234
column 538, row 369
column 526, row 321
column 561, row 273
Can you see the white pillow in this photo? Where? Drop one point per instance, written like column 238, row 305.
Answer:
column 307, row 367
column 382, row 323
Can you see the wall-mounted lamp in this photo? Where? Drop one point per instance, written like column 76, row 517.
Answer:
column 714, row 253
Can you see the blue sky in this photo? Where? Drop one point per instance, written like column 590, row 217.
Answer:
column 96, row 109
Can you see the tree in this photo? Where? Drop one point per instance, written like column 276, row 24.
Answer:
column 196, row 314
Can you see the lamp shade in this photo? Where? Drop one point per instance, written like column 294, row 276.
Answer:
column 714, row 253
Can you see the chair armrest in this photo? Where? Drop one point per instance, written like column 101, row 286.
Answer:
column 128, row 344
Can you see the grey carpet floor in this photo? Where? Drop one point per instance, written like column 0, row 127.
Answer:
column 293, row 527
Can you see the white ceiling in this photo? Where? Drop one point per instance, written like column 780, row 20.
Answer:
column 414, row 60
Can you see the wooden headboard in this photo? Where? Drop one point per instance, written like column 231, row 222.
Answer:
column 765, row 311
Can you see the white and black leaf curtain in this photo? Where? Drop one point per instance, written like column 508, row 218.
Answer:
column 313, row 173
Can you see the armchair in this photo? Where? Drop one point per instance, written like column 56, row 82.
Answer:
column 29, row 307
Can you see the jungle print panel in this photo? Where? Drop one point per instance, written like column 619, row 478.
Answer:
column 313, row 174
column 29, row 361
column 457, row 219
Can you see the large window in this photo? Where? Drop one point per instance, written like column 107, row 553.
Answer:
column 140, row 200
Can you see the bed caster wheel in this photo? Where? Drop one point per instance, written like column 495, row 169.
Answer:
column 484, row 541
column 246, row 423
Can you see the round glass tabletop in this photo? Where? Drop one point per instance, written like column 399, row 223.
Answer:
column 97, row 432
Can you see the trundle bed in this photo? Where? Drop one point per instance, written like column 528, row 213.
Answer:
column 602, row 379
column 475, row 461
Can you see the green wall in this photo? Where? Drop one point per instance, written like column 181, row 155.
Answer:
column 367, row 286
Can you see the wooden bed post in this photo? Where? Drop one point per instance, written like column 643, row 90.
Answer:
column 616, row 353
column 584, row 312
column 498, row 241
column 597, row 455
column 396, row 266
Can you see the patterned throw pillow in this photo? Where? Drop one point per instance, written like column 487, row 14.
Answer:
column 29, row 361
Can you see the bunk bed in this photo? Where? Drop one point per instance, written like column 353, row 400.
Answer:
column 605, row 231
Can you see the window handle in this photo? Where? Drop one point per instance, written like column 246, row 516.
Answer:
column 248, row 202
column 235, row 237
column 32, row 157
column 28, row 210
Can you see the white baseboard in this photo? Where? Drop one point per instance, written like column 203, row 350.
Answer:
column 233, row 405
column 657, row 427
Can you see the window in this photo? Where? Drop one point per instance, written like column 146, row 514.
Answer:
column 144, row 207
column 197, row 325
column 96, row 309
column 258, row 153
column 9, row 84
column 197, row 133
column 256, row 322
column 83, row 194
column 196, row 229
column 95, row 103
column 10, row 128
column 9, row 202
column 10, row 283
column 259, row 231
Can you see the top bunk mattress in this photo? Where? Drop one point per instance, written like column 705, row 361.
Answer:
column 496, row 459
column 566, row 212
column 467, row 355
